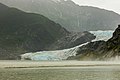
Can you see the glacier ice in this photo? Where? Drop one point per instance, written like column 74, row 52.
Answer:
column 102, row 35
column 64, row 54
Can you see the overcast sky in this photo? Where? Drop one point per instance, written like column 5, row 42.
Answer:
column 113, row 5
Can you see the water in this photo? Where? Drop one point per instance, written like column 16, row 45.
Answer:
column 59, row 70
column 61, row 74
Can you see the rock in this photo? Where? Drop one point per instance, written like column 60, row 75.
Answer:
column 100, row 50
column 91, row 51
column 22, row 32
column 114, row 42
column 72, row 40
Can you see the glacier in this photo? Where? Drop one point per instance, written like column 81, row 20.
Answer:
column 102, row 35
column 65, row 53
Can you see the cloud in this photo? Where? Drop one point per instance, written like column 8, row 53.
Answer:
column 113, row 5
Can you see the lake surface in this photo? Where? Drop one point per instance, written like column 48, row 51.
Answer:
column 87, row 71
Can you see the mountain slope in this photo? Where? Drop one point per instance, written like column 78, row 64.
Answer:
column 22, row 32
column 100, row 50
column 72, row 40
column 69, row 15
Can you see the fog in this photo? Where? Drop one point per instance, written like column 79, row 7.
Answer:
column 106, row 4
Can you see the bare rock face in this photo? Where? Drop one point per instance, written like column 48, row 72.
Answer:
column 114, row 42
column 100, row 50
column 91, row 51
column 72, row 40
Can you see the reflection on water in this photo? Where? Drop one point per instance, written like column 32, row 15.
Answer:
column 61, row 74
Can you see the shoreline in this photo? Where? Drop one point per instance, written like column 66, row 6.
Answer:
column 13, row 64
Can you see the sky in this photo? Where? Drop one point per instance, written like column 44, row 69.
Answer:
column 113, row 5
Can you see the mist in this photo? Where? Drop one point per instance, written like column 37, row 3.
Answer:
column 105, row 4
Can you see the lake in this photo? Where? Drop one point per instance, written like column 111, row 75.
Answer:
column 59, row 70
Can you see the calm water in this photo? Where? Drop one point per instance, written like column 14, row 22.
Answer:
column 103, row 73
column 59, row 70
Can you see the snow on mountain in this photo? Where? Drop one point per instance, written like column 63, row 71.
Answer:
column 56, row 1
column 64, row 54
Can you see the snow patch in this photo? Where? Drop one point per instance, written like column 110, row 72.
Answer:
column 56, row 1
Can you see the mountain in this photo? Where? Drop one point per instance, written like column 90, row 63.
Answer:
column 65, row 53
column 22, row 32
column 100, row 50
column 70, row 15
column 72, row 40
